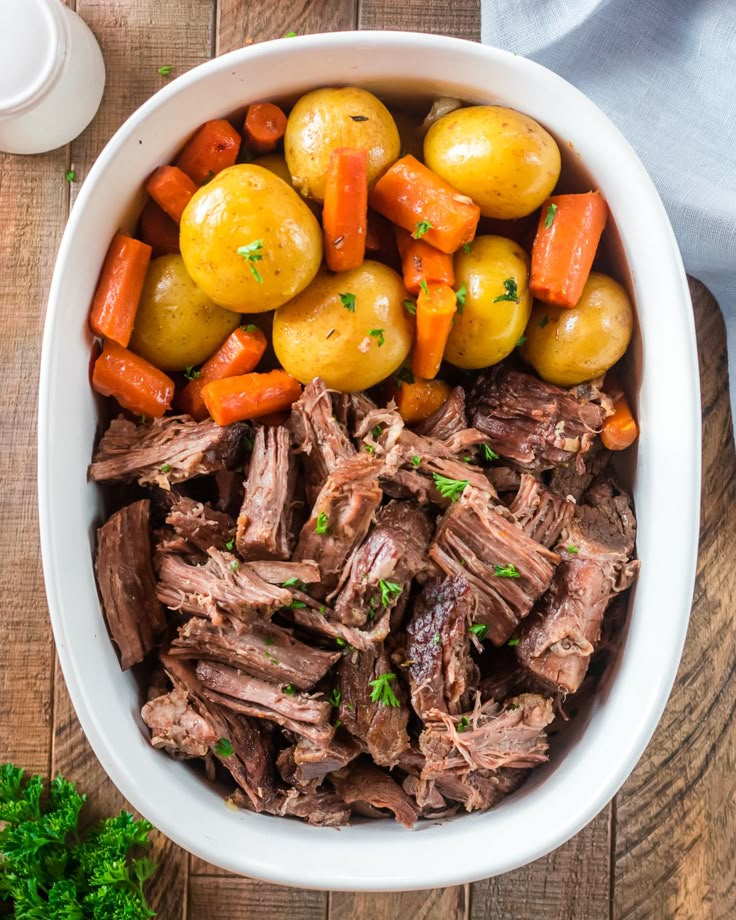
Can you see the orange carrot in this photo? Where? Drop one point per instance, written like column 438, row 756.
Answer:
column 171, row 189
column 620, row 429
column 213, row 148
column 422, row 262
column 418, row 400
column 136, row 384
column 264, row 127
column 436, row 306
column 415, row 198
column 345, row 212
column 233, row 399
column 569, row 229
column 118, row 290
column 239, row 354
column 159, row 230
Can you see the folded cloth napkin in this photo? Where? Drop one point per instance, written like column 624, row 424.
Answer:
column 665, row 72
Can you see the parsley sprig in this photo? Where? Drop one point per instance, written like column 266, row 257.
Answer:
column 321, row 525
column 449, row 488
column 377, row 334
column 390, row 591
column 422, row 227
column 506, row 571
column 550, row 215
column 479, row 630
column 348, row 301
column 512, row 292
column 381, row 691
column 252, row 253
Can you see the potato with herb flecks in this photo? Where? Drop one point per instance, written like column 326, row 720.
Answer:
column 351, row 329
column 329, row 118
column 249, row 241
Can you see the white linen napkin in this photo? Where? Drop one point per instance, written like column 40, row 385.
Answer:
column 665, row 72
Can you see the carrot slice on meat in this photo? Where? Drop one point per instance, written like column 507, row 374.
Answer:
column 436, row 306
column 422, row 262
column 620, row 429
column 234, row 399
column 413, row 197
column 417, row 400
column 213, row 148
column 265, row 124
column 570, row 227
column 136, row 384
column 171, row 189
column 159, row 230
column 345, row 212
column 118, row 290
column 239, row 354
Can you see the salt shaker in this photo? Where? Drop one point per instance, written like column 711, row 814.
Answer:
column 51, row 75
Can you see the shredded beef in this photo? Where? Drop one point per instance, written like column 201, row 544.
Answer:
column 176, row 727
column 541, row 513
column 314, row 762
column 449, row 419
column 480, row 789
column 165, row 451
column 230, row 491
column 127, row 582
column 362, row 782
column 323, row 809
column 200, row 525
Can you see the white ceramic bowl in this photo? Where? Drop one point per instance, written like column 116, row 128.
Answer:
column 602, row 747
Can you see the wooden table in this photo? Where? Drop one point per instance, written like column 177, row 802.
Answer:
column 663, row 849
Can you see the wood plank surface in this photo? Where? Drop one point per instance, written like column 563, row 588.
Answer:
column 671, row 838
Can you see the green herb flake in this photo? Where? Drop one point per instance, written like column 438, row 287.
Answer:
column 234, row 565
column 520, row 341
column 335, row 697
column 463, row 724
column 290, row 690
column 436, row 639
column 251, row 327
column 411, row 307
column 290, row 35
column 488, row 453
column 70, row 175
column 142, row 419
column 511, row 290
column 248, row 442
column 268, row 641
column 190, row 373
column 223, row 748
column 378, row 335
column 550, row 215
column 338, row 723
column 449, row 488
column 467, row 248
column 480, row 631
column 506, row 571
column 390, row 591
column 381, row 691
column 322, row 521
column 348, row 301
column 460, row 294
column 404, row 376
column 422, row 227
column 415, row 461
column 230, row 545
column 423, row 286
column 296, row 605
column 166, row 468
column 340, row 643
column 252, row 253
column 572, row 549
column 370, row 448
column 513, row 642
column 293, row 582
column 165, row 70
column 376, row 432
column 543, row 321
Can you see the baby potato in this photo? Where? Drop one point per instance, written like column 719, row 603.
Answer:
column 249, row 241
column 328, row 118
column 505, row 161
column 177, row 324
column 569, row 345
column 495, row 273
column 275, row 163
column 351, row 329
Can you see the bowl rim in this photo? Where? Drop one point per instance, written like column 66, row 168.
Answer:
column 381, row 875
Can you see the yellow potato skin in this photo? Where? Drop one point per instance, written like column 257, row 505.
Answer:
column 486, row 332
column 325, row 119
column 177, row 324
column 504, row 160
column 241, row 205
column 315, row 335
column 569, row 345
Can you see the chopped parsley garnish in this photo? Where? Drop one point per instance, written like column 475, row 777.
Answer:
column 423, row 286
column 234, row 565
column 520, row 341
column 467, row 248
column 513, row 642
column 190, row 373
column 370, row 448
column 70, row 175
column 335, row 697
column 436, row 639
column 415, row 461
column 359, row 117
column 467, row 459
column 550, row 215
column 166, row 468
column 321, row 525
column 480, row 631
column 449, row 488
column 390, row 590
column 463, row 724
column 296, row 605
column 293, row 582
column 252, row 253
column 511, row 294
column 460, row 294
column 411, row 307
column 378, row 335
column 404, row 376
column 249, row 328
column 268, row 641
column 338, row 723
column 142, row 419
column 269, row 657
column 381, row 691
column 290, row 35
column 422, row 227
column 543, row 321
column 341, row 643
column 506, row 571
column 230, row 544
column 376, row 432
column 223, row 748
column 348, row 301
column 165, row 70
column 572, row 549
column 290, row 689
column 247, row 442
column 488, row 453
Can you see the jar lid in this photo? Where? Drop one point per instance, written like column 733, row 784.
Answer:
column 33, row 42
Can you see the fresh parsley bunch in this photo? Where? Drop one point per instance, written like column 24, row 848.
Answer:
column 50, row 870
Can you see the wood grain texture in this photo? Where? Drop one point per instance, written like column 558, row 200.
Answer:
column 438, row 904
column 240, row 23
column 676, row 827
column 232, row 898
column 460, row 18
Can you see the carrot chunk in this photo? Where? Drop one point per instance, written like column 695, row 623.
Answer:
column 620, row 429
column 233, row 399
column 422, row 262
column 239, row 354
column 159, row 230
column 436, row 306
column 570, row 227
column 136, row 384
column 415, row 198
column 171, row 189
column 213, row 148
column 118, row 290
column 265, row 124
column 416, row 401
column 345, row 212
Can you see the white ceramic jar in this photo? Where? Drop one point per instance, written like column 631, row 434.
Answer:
column 51, row 75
